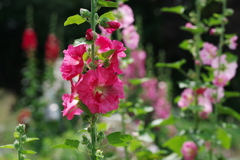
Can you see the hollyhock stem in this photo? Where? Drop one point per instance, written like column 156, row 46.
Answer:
column 123, row 132
column 93, row 125
column 93, row 25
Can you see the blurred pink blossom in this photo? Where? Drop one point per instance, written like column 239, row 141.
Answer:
column 212, row 31
column 208, row 53
column 124, row 15
column 130, row 37
column 150, row 90
column 189, row 150
column 189, row 25
column 214, row 95
column 232, row 42
column 207, row 107
column 186, row 98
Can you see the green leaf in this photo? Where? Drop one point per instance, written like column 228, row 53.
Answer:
column 175, row 65
column 28, row 152
column 104, row 3
column 81, row 41
column 231, row 57
column 31, row 139
column 76, row 19
column 229, row 94
column 108, row 15
column 108, row 114
column 141, row 110
column 102, row 126
column 177, row 9
column 134, row 145
column 69, row 144
column 117, row 139
column 7, row 146
column 224, row 138
column 186, row 44
column 105, row 55
column 85, row 108
column 194, row 30
column 175, row 144
column 229, row 111
column 162, row 122
column 138, row 81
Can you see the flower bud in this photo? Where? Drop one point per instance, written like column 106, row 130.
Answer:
column 89, row 146
column 16, row 145
column 99, row 154
column 24, row 138
column 85, row 13
column 189, row 150
column 229, row 12
column 22, row 157
column 103, row 22
column 85, row 140
column 20, row 129
column 86, row 118
column 106, row 63
column 89, row 34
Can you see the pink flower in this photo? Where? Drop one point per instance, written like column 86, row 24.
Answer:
column 52, row 48
column 187, row 98
column 223, row 69
column 189, row 150
column 208, row 53
column 189, row 25
column 29, row 41
column 72, row 63
column 71, row 104
column 89, row 34
column 104, row 32
column 232, row 42
column 130, row 37
column 124, row 15
column 207, row 107
column 100, row 90
column 214, row 95
column 150, row 90
column 212, row 31
column 220, row 80
column 136, row 69
column 112, row 26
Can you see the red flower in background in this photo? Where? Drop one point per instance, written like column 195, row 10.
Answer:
column 52, row 48
column 24, row 116
column 29, row 41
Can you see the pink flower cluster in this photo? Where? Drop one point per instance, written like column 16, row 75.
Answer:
column 224, row 71
column 155, row 94
column 99, row 89
column 205, row 98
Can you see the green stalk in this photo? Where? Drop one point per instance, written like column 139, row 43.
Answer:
column 123, row 132
column 93, row 24
column 94, row 136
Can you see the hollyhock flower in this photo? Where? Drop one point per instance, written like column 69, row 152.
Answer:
column 207, row 107
column 104, row 32
column 136, row 69
column 124, row 15
column 130, row 37
column 214, row 95
column 112, row 26
column 212, row 31
column 189, row 25
column 223, row 69
column 189, row 150
column 100, row 90
column 149, row 90
column 162, row 107
column 232, row 42
column 208, row 53
column 52, row 48
column 187, row 98
column 220, row 80
column 89, row 34
column 24, row 116
column 70, row 104
column 29, row 41
column 72, row 63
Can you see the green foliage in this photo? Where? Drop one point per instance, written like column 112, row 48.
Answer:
column 108, row 15
column 118, row 139
column 81, row 41
column 229, row 111
column 138, row 81
column 162, row 122
column 103, row 3
column 106, row 54
column 175, row 65
column 68, row 144
column 177, row 9
column 76, row 19
column 175, row 143
column 224, row 138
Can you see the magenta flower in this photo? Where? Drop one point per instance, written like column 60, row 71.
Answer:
column 189, row 150
column 232, row 42
column 100, row 90
column 130, row 37
column 70, row 104
column 220, row 80
column 207, row 107
column 112, row 26
column 124, row 15
column 208, row 53
column 72, row 63
column 89, row 34
column 150, row 90
column 104, row 32
column 212, row 31
column 223, row 69
column 187, row 98
column 214, row 95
